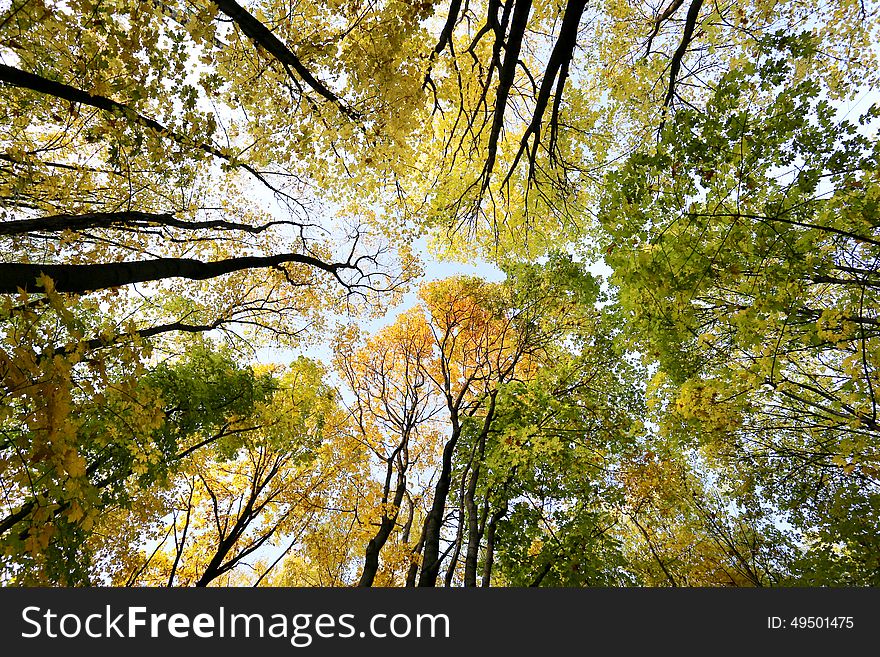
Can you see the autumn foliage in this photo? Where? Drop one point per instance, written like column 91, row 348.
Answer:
column 227, row 356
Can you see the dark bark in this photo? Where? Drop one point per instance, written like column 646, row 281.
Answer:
column 60, row 222
column 78, row 279
column 122, row 219
column 554, row 114
column 555, row 75
column 459, row 533
column 446, row 32
column 475, row 534
column 219, row 563
column 675, row 65
column 98, row 343
column 10, row 521
column 666, row 15
column 518, row 22
column 792, row 222
column 491, row 529
column 434, row 522
column 545, row 570
column 179, row 545
column 834, row 280
column 654, row 553
column 386, row 526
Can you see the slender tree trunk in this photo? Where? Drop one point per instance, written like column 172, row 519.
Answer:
column 182, row 543
column 474, row 534
column 459, row 533
column 456, row 553
column 249, row 512
column 377, row 542
column 413, row 571
column 541, row 575
column 434, row 522
column 490, row 544
column 215, row 568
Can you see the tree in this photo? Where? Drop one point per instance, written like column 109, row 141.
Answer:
column 490, row 387
column 763, row 324
column 83, row 438
column 533, row 102
column 128, row 181
column 683, row 526
column 254, row 489
column 553, row 489
column 394, row 405
column 114, row 174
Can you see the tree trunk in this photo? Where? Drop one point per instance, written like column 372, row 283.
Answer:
column 490, row 544
column 459, row 533
column 475, row 532
column 434, row 522
column 413, row 571
column 374, row 547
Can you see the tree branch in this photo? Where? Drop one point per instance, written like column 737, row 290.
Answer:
column 134, row 218
column 78, row 279
column 686, row 38
column 25, row 80
column 263, row 37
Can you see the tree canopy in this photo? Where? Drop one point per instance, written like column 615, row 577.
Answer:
column 226, row 359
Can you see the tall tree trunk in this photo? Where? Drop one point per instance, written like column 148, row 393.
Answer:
column 490, row 544
column 374, row 547
column 413, row 571
column 434, row 522
column 475, row 532
column 459, row 533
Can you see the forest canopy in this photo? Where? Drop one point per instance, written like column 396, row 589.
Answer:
column 227, row 357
